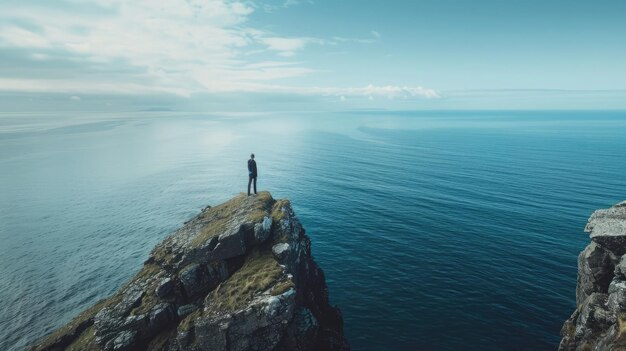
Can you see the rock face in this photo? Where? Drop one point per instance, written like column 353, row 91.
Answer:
column 599, row 322
column 239, row 276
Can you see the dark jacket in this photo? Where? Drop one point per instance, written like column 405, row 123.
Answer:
column 252, row 168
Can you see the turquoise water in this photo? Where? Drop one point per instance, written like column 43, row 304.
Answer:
column 437, row 230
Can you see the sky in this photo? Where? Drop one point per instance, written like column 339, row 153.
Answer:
column 291, row 54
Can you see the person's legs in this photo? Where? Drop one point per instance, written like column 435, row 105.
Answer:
column 254, row 185
column 250, row 181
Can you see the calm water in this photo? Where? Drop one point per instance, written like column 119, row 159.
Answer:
column 437, row 231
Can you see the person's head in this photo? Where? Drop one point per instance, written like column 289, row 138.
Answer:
column 252, row 156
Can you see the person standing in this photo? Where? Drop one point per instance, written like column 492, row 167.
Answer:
column 252, row 174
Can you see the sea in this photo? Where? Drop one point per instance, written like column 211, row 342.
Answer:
column 437, row 230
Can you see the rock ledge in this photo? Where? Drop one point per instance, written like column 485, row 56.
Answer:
column 599, row 322
column 238, row 276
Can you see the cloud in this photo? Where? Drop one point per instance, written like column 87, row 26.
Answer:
column 285, row 46
column 175, row 46
column 390, row 92
column 387, row 91
column 272, row 6
column 338, row 40
column 180, row 47
column 19, row 37
column 75, row 98
column 375, row 36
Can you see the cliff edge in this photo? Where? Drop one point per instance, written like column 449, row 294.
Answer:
column 238, row 276
column 599, row 322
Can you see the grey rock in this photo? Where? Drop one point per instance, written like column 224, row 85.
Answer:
column 212, row 243
column 620, row 268
column 616, row 301
column 280, row 251
column 218, row 272
column 262, row 325
column 183, row 339
column 305, row 321
column 194, row 279
column 165, row 288
column 598, row 321
column 568, row 333
column 122, row 341
column 594, row 316
column 262, row 230
column 110, row 321
column 302, row 332
column 211, row 335
column 608, row 228
column 139, row 323
column 595, row 272
column 230, row 244
column 160, row 317
column 185, row 310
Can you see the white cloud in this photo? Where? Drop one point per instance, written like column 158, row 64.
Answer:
column 171, row 46
column 75, row 98
column 128, row 88
column 285, row 46
column 176, row 46
column 271, row 7
column 338, row 40
column 369, row 91
column 84, row 86
column 19, row 37
column 387, row 91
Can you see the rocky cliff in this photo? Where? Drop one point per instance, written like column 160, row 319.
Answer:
column 599, row 322
column 238, row 276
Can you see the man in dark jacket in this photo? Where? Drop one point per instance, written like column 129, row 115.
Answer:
column 252, row 173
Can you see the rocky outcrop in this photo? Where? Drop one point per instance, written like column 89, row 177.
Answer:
column 239, row 276
column 599, row 322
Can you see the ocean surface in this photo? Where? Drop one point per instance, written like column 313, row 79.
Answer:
column 436, row 230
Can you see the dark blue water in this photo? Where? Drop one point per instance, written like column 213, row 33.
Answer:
column 437, row 230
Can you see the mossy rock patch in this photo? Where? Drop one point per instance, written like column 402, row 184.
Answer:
column 258, row 273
